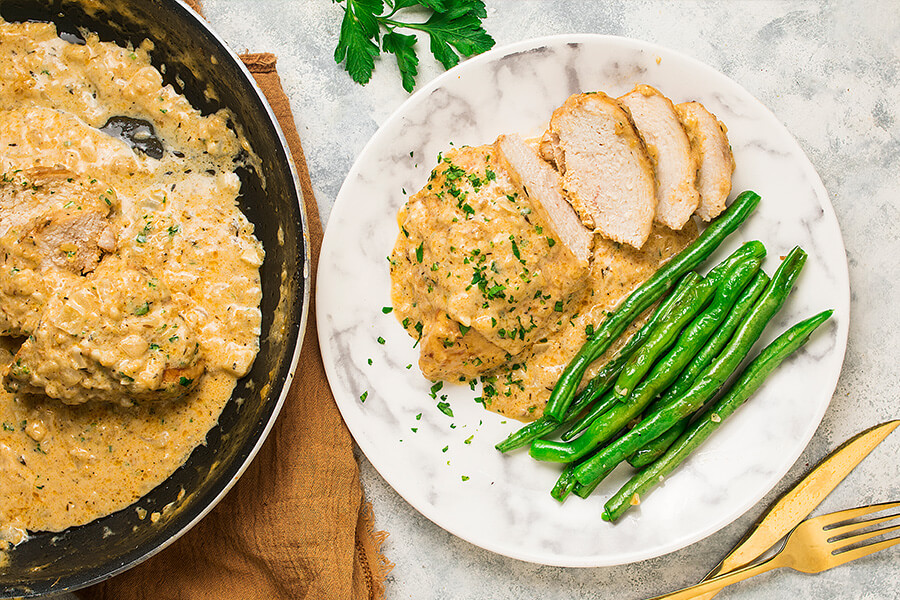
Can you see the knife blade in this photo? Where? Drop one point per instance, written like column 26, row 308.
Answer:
column 802, row 499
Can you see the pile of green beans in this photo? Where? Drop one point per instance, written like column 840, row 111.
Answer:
column 708, row 383
column 747, row 383
column 642, row 405
column 645, row 295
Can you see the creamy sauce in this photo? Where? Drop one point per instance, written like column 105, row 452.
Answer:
column 460, row 240
column 179, row 289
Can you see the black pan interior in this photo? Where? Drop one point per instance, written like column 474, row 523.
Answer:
column 197, row 65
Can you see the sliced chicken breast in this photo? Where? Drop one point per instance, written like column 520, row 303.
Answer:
column 606, row 170
column 710, row 146
column 540, row 182
column 670, row 150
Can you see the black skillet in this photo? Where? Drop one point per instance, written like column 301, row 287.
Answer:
column 195, row 59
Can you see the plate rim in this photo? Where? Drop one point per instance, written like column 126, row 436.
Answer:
column 815, row 182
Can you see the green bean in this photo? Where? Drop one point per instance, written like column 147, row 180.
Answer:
column 603, row 405
column 719, row 339
column 583, row 491
column 645, row 295
column 622, row 412
column 607, row 375
column 662, row 338
column 664, row 372
column 746, row 384
column 565, row 484
column 600, row 383
column 708, row 383
column 524, row 435
column 654, row 449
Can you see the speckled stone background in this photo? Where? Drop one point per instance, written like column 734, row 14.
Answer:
column 830, row 70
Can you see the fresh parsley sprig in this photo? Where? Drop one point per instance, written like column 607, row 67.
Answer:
column 370, row 27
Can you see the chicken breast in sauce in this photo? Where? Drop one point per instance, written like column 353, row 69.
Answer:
column 498, row 271
column 54, row 227
column 477, row 245
column 492, row 212
column 129, row 278
column 116, row 336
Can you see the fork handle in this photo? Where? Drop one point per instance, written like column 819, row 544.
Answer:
column 717, row 583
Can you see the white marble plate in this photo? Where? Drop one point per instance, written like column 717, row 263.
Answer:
column 447, row 467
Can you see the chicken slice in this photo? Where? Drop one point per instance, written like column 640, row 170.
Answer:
column 709, row 144
column 670, row 150
column 54, row 228
column 116, row 336
column 606, row 171
column 540, row 182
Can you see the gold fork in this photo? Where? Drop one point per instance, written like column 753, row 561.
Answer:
column 815, row 545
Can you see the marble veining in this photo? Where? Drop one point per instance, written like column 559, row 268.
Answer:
column 446, row 466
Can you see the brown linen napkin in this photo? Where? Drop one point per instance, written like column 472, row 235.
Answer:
column 296, row 524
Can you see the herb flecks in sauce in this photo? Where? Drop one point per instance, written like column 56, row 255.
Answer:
column 175, row 220
column 483, row 284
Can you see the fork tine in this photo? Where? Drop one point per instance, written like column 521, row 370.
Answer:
column 843, row 557
column 842, row 530
column 836, row 518
column 855, row 539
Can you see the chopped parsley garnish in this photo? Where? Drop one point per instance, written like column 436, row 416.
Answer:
column 444, row 407
column 363, row 396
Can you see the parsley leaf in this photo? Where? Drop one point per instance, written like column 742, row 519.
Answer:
column 355, row 44
column 403, row 47
column 370, row 27
column 459, row 27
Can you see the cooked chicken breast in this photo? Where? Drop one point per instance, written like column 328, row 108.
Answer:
column 676, row 168
column 476, row 254
column 710, row 146
column 116, row 336
column 54, row 227
column 542, row 184
column 606, row 170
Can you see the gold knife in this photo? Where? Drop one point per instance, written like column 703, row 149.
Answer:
column 802, row 499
